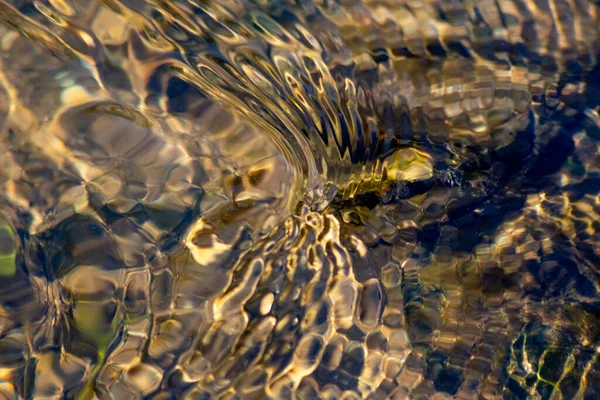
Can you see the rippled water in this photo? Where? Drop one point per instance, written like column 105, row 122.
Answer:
column 247, row 199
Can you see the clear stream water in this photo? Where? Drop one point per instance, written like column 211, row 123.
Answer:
column 335, row 199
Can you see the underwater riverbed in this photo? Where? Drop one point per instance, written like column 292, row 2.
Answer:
column 310, row 199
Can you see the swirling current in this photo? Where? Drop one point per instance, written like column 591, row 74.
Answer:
column 308, row 199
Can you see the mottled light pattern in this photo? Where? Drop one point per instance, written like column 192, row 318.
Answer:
column 309, row 199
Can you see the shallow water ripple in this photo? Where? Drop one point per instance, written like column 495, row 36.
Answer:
column 248, row 199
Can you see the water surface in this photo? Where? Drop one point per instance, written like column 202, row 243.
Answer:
column 248, row 199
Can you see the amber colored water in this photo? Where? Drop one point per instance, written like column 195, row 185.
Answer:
column 309, row 199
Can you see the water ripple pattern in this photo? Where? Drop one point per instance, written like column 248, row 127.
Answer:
column 299, row 199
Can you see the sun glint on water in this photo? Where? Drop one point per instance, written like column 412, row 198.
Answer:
column 299, row 199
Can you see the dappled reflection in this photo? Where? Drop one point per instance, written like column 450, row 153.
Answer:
column 311, row 199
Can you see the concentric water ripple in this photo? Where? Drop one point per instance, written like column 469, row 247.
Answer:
column 310, row 199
